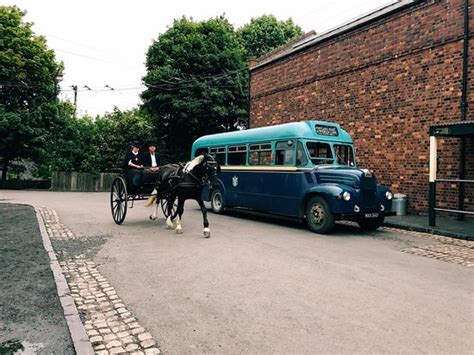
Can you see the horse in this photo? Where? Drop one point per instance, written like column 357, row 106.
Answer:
column 184, row 183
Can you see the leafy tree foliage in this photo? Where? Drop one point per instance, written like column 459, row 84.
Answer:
column 94, row 145
column 196, row 82
column 115, row 132
column 265, row 33
column 28, row 89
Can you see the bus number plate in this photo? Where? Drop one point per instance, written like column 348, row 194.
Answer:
column 371, row 215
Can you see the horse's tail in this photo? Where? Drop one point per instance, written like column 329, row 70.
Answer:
column 152, row 198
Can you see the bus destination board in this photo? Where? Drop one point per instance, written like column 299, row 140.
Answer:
column 326, row 130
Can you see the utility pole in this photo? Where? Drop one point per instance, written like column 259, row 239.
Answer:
column 74, row 88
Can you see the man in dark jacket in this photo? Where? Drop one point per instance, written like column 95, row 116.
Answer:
column 133, row 168
column 151, row 161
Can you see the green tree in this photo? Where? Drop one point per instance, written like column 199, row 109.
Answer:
column 196, row 82
column 265, row 33
column 114, row 132
column 28, row 89
column 94, row 145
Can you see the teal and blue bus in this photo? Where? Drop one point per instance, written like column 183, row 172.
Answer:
column 305, row 170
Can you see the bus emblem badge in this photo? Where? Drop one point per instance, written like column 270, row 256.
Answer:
column 235, row 181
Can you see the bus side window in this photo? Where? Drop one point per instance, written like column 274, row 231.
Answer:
column 201, row 151
column 237, row 155
column 219, row 154
column 344, row 154
column 320, row 153
column 301, row 158
column 260, row 154
column 285, row 152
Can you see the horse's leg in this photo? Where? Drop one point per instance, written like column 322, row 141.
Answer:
column 154, row 215
column 206, row 232
column 169, row 221
column 179, row 229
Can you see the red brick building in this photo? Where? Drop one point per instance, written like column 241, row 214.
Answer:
column 385, row 77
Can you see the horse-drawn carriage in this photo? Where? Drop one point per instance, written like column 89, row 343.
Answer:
column 121, row 199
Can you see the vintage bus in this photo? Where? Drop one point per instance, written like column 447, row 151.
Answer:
column 305, row 170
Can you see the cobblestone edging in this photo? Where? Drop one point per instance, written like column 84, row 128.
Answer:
column 447, row 249
column 111, row 327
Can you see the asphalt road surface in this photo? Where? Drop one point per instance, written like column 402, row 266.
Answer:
column 262, row 285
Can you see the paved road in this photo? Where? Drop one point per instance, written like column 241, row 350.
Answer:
column 266, row 286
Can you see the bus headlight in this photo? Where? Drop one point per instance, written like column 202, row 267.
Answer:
column 388, row 195
column 346, row 196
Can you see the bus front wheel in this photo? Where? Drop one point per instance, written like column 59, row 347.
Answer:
column 217, row 202
column 319, row 217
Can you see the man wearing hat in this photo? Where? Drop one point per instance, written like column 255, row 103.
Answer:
column 133, row 168
column 151, row 159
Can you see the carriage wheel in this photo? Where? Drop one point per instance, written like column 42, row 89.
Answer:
column 173, row 201
column 118, row 200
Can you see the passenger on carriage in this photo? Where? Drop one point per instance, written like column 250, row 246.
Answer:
column 151, row 161
column 133, row 168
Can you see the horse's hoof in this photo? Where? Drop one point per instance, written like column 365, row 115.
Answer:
column 206, row 234
column 152, row 218
column 179, row 231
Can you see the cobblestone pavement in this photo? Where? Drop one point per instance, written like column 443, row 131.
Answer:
column 446, row 249
column 111, row 327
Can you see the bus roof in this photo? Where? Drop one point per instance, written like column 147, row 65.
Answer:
column 304, row 129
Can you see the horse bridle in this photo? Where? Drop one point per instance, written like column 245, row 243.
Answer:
column 205, row 178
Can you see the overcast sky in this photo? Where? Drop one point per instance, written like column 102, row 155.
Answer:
column 104, row 42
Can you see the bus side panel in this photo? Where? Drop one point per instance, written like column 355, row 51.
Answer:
column 285, row 189
column 256, row 190
column 237, row 185
column 225, row 182
column 268, row 191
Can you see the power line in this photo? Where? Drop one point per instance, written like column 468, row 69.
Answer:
column 73, row 42
column 82, row 55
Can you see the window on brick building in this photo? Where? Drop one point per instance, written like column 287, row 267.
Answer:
column 319, row 153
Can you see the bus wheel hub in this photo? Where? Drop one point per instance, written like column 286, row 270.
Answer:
column 317, row 214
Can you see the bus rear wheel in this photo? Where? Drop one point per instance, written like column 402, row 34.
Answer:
column 319, row 217
column 371, row 224
column 217, row 202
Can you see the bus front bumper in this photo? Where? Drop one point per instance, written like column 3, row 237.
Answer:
column 365, row 215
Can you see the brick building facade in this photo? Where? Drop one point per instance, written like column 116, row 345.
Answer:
column 385, row 78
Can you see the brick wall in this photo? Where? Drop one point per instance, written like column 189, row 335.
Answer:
column 385, row 83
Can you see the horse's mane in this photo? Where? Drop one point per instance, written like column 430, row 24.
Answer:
column 190, row 165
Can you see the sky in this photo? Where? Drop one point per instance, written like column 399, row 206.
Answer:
column 104, row 42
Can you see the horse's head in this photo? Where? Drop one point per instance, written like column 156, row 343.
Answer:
column 211, row 167
column 204, row 167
